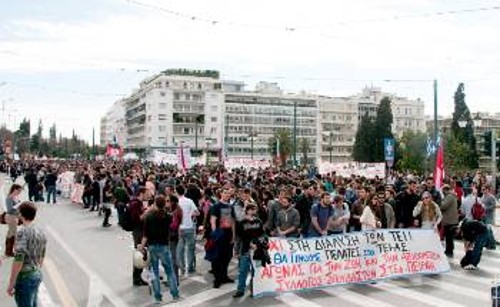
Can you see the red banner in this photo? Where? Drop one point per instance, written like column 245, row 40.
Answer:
column 114, row 151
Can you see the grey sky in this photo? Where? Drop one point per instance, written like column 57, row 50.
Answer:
column 68, row 61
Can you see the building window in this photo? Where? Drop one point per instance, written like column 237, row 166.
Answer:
column 162, row 128
column 162, row 116
column 213, row 119
column 186, row 130
column 162, row 105
column 162, row 94
column 213, row 130
column 177, row 96
column 213, row 108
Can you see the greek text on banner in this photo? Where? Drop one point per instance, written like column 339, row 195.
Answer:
column 299, row 264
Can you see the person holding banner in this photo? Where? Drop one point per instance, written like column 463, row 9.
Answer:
column 341, row 215
column 368, row 219
column 428, row 212
column 288, row 220
column 321, row 216
column 248, row 230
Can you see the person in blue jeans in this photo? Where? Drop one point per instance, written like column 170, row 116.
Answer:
column 26, row 272
column 248, row 230
column 475, row 238
column 156, row 237
column 50, row 185
column 187, row 233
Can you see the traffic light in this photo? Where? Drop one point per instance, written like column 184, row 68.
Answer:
column 486, row 147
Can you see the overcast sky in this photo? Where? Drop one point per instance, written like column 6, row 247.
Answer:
column 67, row 61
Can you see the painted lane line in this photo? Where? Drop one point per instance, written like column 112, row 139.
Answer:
column 95, row 294
column 59, row 284
column 293, row 300
column 356, row 298
column 201, row 297
column 44, row 297
column 475, row 294
column 104, row 288
column 415, row 295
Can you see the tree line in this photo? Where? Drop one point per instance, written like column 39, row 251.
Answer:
column 31, row 143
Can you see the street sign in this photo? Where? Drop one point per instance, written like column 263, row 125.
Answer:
column 389, row 149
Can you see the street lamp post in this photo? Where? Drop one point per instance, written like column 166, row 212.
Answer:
column 330, row 146
column 207, row 142
column 252, row 135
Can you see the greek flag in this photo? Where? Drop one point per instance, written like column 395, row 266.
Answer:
column 433, row 146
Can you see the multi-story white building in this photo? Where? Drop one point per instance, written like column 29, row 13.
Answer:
column 252, row 118
column 338, row 123
column 176, row 106
column 205, row 113
column 113, row 129
column 407, row 114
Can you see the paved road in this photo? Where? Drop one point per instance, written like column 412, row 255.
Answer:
column 88, row 265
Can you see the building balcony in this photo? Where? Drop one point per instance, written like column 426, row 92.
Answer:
column 190, row 108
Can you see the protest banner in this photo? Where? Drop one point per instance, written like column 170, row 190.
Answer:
column 346, row 169
column 299, row 264
column 247, row 163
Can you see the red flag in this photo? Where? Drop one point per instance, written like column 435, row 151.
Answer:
column 439, row 169
column 182, row 159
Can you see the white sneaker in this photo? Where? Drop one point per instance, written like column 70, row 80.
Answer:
column 469, row 267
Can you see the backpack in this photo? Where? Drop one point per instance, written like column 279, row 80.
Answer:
column 478, row 211
column 125, row 218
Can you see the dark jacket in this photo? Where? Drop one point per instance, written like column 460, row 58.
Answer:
column 449, row 208
column 405, row 203
column 156, row 227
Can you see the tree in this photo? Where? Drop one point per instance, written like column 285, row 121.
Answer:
column 36, row 139
column 283, row 136
column 383, row 129
column 53, row 133
column 22, row 136
column 364, row 143
column 304, row 148
column 466, row 134
column 456, row 154
column 413, row 147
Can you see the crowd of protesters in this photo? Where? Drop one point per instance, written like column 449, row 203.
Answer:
column 233, row 210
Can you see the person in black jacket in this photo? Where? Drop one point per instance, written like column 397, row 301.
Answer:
column 405, row 203
column 156, row 237
column 475, row 237
column 304, row 204
column 248, row 230
column 50, row 186
column 32, row 182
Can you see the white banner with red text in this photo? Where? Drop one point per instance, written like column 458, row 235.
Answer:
column 346, row 169
column 300, row 264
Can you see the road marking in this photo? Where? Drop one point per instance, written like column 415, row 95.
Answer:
column 59, row 285
column 293, row 300
column 475, row 294
column 356, row 298
column 201, row 297
column 44, row 297
column 104, row 288
column 415, row 295
column 95, row 294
